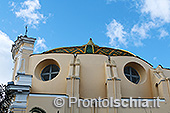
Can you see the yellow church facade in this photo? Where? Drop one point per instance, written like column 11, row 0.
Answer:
column 84, row 72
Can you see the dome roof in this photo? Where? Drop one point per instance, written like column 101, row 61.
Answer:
column 90, row 48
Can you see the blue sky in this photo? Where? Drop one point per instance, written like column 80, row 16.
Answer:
column 141, row 27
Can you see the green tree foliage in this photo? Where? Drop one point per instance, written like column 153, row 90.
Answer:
column 6, row 97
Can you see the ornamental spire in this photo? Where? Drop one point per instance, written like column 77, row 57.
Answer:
column 90, row 42
column 26, row 30
column 89, row 48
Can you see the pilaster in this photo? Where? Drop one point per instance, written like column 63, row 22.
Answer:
column 161, row 83
column 73, row 83
column 112, row 82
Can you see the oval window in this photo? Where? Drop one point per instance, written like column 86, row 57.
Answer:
column 49, row 72
column 131, row 74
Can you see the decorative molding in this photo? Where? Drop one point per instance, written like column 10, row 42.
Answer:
column 113, row 64
column 27, row 48
column 21, row 89
column 47, row 95
column 21, row 64
column 108, row 69
column 77, row 68
column 24, row 79
column 73, row 77
column 168, row 78
column 159, row 82
column 159, row 72
column 112, row 79
column 17, row 44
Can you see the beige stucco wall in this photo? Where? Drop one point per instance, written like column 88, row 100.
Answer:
column 92, row 81
column 143, row 88
column 46, row 103
column 164, row 108
column 92, row 76
column 56, row 85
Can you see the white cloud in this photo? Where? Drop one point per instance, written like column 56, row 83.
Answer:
column 29, row 12
column 157, row 9
column 139, row 32
column 116, row 33
column 154, row 15
column 158, row 14
column 40, row 45
column 5, row 58
column 163, row 33
column 108, row 1
column 154, row 58
column 13, row 5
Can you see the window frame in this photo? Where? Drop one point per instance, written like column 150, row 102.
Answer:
column 50, row 73
column 131, row 76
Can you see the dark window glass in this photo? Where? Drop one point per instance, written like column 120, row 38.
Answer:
column 131, row 74
column 53, row 75
column 46, row 77
column 46, row 70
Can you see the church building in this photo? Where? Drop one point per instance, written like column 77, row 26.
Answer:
column 86, row 72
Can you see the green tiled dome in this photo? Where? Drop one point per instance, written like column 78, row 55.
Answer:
column 90, row 48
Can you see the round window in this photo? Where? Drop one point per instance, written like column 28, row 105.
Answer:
column 131, row 74
column 49, row 72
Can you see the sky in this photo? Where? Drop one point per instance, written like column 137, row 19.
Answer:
column 139, row 26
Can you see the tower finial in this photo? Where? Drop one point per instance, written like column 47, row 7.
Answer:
column 90, row 38
column 89, row 48
column 26, row 30
column 90, row 42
